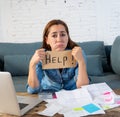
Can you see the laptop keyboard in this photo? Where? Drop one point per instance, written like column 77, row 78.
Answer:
column 22, row 105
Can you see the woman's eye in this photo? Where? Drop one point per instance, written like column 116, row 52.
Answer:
column 54, row 36
column 63, row 34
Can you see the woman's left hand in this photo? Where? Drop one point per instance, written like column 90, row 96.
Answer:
column 77, row 53
column 82, row 72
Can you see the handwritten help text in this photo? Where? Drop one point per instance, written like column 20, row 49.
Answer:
column 61, row 59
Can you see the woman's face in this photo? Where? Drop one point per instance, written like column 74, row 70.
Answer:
column 57, row 38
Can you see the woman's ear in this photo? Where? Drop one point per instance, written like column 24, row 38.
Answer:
column 46, row 39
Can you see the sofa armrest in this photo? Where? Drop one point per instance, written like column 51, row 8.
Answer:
column 115, row 55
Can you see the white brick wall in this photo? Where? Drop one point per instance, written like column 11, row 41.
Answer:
column 24, row 20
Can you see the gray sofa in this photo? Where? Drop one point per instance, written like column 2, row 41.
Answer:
column 15, row 57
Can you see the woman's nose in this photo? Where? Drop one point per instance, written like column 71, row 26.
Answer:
column 59, row 37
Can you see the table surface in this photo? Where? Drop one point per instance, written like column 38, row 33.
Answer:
column 115, row 112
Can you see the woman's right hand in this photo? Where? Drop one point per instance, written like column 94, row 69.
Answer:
column 39, row 55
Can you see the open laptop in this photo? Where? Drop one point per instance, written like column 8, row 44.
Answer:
column 9, row 102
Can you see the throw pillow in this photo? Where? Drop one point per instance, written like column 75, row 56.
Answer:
column 17, row 65
column 95, row 48
column 94, row 65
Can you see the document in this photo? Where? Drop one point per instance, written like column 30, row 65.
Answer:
column 88, row 109
column 97, row 89
column 88, row 100
column 73, row 97
column 103, row 95
column 51, row 110
column 71, row 103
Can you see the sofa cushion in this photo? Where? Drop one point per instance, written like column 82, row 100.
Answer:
column 18, row 48
column 113, row 80
column 20, row 83
column 108, row 52
column 17, row 65
column 95, row 48
column 94, row 65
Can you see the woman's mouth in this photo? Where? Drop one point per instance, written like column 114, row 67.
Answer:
column 60, row 46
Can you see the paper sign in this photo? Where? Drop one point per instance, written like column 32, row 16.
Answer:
column 58, row 59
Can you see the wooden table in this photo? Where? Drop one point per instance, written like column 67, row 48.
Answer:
column 115, row 112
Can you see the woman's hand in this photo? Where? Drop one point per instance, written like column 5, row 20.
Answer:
column 39, row 55
column 82, row 72
column 77, row 53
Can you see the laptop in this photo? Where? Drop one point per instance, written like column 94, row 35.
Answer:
column 9, row 102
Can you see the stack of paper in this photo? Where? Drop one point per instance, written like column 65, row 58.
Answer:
column 88, row 100
column 103, row 95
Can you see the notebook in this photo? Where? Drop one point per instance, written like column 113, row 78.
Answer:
column 9, row 102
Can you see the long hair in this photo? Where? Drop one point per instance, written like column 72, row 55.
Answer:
column 70, row 44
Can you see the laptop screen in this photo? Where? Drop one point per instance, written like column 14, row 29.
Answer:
column 22, row 105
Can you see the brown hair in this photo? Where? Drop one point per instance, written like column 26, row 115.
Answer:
column 70, row 44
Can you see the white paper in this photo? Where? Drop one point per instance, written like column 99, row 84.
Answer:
column 78, row 102
column 97, row 92
column 82, row 112
column 74, row 97
column 51, row 110
column 97, row 89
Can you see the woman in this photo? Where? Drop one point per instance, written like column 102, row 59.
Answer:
column 56, row 38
